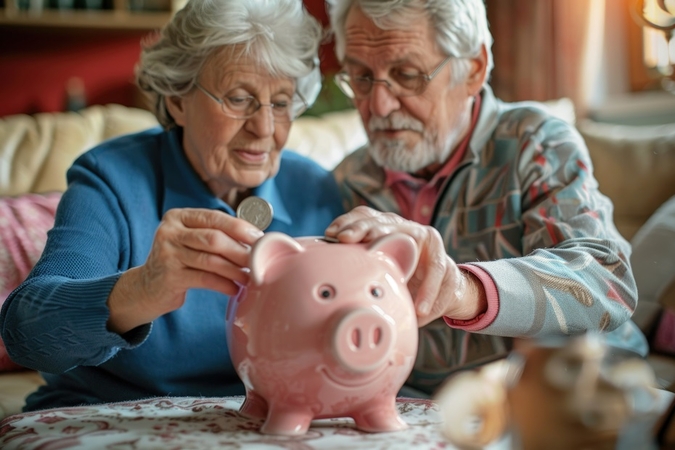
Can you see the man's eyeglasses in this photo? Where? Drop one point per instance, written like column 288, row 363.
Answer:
column 401, row 82
column 243, row 107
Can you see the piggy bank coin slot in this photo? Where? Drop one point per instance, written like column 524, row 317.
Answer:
column 330, row 240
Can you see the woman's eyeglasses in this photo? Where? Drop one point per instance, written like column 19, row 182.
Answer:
column 243, row 107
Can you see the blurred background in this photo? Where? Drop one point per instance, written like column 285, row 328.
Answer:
column 612, row 58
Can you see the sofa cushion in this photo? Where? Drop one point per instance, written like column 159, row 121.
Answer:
column 634, row 167
column 36, row 151
column 14, row 387
column 327, row 138
column 24, row 222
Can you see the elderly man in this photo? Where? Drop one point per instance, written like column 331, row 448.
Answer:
column 516, row 238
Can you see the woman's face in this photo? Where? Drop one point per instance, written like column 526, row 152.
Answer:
column 232, row 155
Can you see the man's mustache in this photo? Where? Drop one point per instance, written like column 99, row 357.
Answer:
column 395, row 122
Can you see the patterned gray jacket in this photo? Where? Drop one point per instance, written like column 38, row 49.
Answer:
column 524, row 206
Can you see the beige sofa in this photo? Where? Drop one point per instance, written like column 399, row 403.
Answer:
column 635, row 167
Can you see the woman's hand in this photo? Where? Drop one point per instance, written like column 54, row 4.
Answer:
column 192, row 248
column 438, row 287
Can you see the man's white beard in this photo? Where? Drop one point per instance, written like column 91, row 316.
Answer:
column 395, row 155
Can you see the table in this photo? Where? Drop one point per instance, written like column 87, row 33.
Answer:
column 169, row 423
column 203, row 423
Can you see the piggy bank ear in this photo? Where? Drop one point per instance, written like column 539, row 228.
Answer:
column 399, row 247
column 268, row 250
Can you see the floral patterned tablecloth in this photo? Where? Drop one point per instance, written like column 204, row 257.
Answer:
column 203, row 423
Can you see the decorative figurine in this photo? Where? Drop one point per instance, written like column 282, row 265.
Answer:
column 566, row 393
column 324, row 330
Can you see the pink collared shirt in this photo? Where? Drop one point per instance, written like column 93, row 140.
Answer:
column 417, row 198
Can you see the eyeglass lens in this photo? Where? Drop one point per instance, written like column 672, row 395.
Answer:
column 400, row 82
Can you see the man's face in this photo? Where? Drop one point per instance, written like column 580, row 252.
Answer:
column 408, row 133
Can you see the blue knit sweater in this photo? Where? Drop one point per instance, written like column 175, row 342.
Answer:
column 117, row 193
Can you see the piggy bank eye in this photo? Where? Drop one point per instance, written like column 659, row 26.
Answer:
column 376, row 292
column 326, row 292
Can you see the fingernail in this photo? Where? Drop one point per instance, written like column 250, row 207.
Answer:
column 256, row 233
column 331, row 229
column 424, row 309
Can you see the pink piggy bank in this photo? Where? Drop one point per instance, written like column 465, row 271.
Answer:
column 324, row 330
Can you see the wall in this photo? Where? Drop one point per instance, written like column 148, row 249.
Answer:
column 38, row 63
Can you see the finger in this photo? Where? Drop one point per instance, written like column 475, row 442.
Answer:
column 214, row 242
column 206, row 280
column 238, row 229
column 429, row 293
column 343, row 221
column 365, row 230
column 211, row 263
column 373, row 225
column 431, row 269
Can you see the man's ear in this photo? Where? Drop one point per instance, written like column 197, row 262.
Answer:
column 477, row 72
column 175, row 106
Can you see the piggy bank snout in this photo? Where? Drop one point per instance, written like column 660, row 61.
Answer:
column 362, row 340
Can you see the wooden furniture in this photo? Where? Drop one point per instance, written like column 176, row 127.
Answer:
column 120, row 17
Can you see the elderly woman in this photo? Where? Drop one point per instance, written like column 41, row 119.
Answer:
column 129, row 297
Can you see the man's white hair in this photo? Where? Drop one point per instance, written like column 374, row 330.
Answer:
column 461, row 25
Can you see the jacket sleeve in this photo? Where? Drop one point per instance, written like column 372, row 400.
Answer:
column 575, row 273
column 56, row 319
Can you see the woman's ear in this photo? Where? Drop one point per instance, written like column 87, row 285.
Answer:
column 477, row 73
column 176, row 107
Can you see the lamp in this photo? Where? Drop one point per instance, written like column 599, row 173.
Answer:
column 657, row 17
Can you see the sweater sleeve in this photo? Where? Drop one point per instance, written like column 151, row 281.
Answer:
column 56, row 319
column 575, row 273
column 492, row 296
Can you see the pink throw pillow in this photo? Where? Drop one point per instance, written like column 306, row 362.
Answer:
column 664, row 338
column 24, row 222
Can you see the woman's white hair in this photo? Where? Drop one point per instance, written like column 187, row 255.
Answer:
column 280, row 34
column 461, row 25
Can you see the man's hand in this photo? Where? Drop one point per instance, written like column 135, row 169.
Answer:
column 439, row 288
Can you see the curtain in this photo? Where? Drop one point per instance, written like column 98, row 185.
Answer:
column 547, row 49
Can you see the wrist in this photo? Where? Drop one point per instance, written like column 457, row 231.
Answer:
column 471, row 298
column 125, row 304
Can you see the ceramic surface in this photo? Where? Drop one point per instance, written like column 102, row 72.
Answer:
column 324, row 330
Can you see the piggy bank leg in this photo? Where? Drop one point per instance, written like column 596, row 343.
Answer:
column 287, row 422
column 254, row 406
column 379, row 417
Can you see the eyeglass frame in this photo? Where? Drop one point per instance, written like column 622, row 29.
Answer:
column 221, row 102
column 343, row 77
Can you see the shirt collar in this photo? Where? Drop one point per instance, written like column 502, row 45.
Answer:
column 184, row 189
column 490, row 112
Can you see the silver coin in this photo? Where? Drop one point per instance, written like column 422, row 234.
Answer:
column 257, row 211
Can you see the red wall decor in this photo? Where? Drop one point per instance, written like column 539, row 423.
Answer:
column 36, row 64
column 329, row 63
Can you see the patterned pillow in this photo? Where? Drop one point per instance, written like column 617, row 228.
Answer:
column 24, row 222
